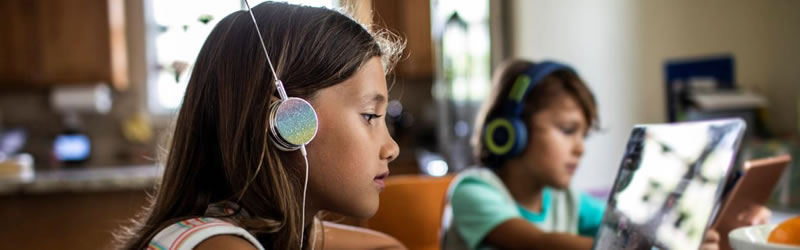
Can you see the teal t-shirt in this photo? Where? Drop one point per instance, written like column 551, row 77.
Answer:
column 479, row 202
column 590, row 213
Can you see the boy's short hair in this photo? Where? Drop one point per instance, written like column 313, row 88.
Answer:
column 540, row 97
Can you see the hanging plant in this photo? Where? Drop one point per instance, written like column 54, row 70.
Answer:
column 205, row 19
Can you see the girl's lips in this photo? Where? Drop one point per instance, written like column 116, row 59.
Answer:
column 380, row 184
column 379, row 180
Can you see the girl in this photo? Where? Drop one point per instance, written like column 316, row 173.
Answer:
column 530, row 145
column 226, row 185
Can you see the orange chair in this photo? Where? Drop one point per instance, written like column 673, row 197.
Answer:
column 411, row 209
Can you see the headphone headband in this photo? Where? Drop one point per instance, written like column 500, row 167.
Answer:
column 525, row 82
column 505, row 134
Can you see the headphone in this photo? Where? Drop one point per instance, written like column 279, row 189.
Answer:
column 505, row 134
column 292, row 123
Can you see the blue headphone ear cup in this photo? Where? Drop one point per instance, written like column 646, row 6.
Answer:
column 521, row 138
column 505, row 137
column 293, row 123
column 499, row 136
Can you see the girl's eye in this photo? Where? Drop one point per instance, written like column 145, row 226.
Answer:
column 369, row 117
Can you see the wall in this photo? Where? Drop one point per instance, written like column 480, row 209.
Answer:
column 783, row 78
column 596, row 39
column 763, row 36
column 619, row 47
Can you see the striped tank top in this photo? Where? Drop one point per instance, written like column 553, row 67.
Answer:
column 187, row 234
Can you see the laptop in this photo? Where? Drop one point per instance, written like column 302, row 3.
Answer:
column 669, row 184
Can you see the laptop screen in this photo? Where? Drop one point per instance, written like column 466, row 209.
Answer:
column 668, row 185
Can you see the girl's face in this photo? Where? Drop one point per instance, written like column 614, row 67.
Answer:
column 555, row 142
column 349, row 157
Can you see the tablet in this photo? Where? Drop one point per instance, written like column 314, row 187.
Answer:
column 668, row 185
column 753, row 188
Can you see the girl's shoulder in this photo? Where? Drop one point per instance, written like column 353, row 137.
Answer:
column 189, row 233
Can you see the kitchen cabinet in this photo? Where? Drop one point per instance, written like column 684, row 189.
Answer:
column 70, row 220
column 51, row 42
column 412, row 20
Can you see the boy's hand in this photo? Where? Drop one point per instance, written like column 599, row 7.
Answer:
column 754, row 215
column 711, row 241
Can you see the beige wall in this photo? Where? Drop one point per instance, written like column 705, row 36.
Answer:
column 619, row 47
column 783, row 76
column 596, row 38
column 763, row 36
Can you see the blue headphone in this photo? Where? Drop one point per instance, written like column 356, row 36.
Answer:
column 505, row 134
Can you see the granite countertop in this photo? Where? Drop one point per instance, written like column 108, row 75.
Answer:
column 92, row 179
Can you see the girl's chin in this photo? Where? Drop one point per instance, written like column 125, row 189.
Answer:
column 365, row 211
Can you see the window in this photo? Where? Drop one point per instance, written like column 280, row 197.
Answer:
column 181, row 27
column 461, row 36
column 463, row 33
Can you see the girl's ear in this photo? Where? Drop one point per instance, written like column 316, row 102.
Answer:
column 273, row 99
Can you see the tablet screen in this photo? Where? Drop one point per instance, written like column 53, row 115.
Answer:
column 668, row 185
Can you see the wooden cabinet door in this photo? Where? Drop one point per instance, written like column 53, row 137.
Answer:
column 412, row 20
column 18, row 46
column 53, row 42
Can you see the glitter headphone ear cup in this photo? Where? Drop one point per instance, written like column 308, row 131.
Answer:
column 293, row 123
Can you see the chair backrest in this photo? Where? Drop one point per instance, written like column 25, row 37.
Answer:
column 411, row 209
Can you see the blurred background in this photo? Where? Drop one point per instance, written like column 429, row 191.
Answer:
column 88, row 89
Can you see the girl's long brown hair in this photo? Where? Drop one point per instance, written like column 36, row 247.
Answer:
column 220, row 133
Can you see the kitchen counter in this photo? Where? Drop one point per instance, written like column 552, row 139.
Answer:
column 85, row 180
column 780, row 215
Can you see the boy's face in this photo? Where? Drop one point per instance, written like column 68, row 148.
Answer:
column 349, row 157
column 555, row 142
